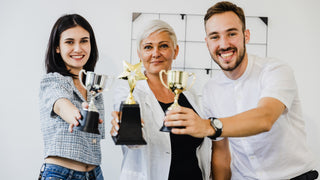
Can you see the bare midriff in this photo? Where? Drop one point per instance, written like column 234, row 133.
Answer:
column 69, row 163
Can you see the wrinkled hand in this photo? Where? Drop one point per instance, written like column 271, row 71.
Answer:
column 186, row 117
column 77, row 117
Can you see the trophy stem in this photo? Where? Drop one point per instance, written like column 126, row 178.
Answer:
column 175, row 102
column 92, row 107
column 130, row 99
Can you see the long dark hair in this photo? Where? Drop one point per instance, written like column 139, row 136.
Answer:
column 53, row 61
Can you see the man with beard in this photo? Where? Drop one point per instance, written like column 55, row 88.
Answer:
column 252, row 105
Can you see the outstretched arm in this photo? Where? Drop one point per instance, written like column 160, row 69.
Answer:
column 67, row 111
column 251, row 122
column 254, row 121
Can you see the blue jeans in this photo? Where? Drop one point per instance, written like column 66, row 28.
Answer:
column 56, row 172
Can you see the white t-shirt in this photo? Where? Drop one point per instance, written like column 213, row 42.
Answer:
column 282, row 152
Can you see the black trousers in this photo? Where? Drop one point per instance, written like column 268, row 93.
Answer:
column 311, row 175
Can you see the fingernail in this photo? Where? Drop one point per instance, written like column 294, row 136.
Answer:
column 142, row 124
column 114, row 133
column 116, row 127
column 117, row 120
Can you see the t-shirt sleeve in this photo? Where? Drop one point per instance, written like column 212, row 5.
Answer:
column 278, row 82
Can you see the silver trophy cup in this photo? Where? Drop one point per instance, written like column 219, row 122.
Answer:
column 94, row 84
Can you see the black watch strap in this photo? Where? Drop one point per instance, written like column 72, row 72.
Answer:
column 217, row 125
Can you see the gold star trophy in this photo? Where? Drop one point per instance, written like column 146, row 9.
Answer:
column 130, row 121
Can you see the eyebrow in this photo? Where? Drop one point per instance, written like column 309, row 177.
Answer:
column 163, row 42
column 228, row 30
column 158, row 43
column 68, row 39
column 71, row 39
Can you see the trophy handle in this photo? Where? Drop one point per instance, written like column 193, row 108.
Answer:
column 193, row 81
column 160, row 74
column 80, row 77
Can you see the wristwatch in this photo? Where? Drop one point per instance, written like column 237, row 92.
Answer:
column 217, row 126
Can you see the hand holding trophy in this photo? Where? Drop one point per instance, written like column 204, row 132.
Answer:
column 94, row 84
column 130, row 121
column 177, row 82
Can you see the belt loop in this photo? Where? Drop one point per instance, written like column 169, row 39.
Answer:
column 70, row 174
column 95, row 172
column 87, row 175
column 43, row 166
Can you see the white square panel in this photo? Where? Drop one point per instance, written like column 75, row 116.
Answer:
column 197, row 55
column 177, row 23
column 139, row 23
column 134, row 54
column 179, row 61
column 195, row 28
column 258, row 30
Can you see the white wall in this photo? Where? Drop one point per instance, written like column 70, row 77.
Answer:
column 294, row 29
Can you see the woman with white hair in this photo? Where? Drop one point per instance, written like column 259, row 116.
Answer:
column 166, row 156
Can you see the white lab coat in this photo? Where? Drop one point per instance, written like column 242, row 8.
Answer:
column 152, row 161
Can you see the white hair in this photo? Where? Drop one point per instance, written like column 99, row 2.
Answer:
column 157, row 26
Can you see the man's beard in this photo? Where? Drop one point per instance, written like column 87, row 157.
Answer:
column 238, row 60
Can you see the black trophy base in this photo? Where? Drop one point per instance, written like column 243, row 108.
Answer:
column 130, row 126
column 165, row 129
column 121, row 141
column 168, row 129
column 92, row 122
column 89, row 122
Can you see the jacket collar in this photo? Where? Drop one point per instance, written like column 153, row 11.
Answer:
column 150, row 100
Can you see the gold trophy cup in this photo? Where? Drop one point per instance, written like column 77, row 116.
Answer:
column 177, row 82
column 130, row 121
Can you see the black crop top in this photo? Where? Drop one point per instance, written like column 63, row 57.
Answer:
column 184, row 162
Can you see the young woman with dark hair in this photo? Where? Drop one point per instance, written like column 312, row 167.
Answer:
column 69, row 153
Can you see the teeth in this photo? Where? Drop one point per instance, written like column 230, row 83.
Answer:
column 77, row 56
column 226, row 55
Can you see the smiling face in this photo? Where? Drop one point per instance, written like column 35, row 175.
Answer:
column 157, row 52
column 226, row 41
column 74, row 48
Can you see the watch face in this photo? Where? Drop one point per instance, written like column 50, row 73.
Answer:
column 217, row 123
